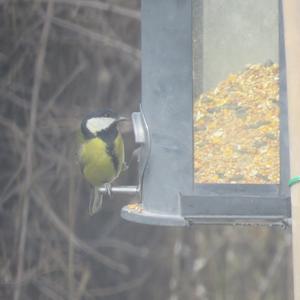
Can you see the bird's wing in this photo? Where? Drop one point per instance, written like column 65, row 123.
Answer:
column 80, row 160
column 119, row 151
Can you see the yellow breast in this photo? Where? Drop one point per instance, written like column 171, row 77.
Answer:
column 97, row 165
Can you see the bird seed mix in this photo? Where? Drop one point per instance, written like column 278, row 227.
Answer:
column 236, row 128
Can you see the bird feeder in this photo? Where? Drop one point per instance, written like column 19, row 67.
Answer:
column 213, row 120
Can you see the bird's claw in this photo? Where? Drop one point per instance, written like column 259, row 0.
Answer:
column 107, row 187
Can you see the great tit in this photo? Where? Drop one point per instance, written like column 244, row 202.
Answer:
column 101, row 152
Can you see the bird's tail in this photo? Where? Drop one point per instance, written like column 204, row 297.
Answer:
column 95, row 201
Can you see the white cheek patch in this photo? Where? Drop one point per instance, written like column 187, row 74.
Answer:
column 95, row 125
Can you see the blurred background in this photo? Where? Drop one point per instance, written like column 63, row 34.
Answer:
column 59, row 60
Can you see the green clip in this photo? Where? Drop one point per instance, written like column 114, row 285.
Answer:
column 294, row 180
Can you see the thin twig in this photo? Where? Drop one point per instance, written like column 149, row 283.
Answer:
column 13, row 127
column 30, row 144
column 117, row 289
column 104, row 6
column 71, row 219
column 134, row 52
column 40, row 199
column 122, row 246
column 61, row 88
column 49, row 291
column 17, row 100
column 83, row 284
column 29, row 276
column 14, row 69
column 10, row 188
column 266, row 282
column 27, row 33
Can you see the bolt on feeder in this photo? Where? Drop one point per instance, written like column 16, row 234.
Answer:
column 213, row 121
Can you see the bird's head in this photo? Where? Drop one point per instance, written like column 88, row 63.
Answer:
column 100, row 123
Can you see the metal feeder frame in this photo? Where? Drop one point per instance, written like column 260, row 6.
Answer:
column 166, row 185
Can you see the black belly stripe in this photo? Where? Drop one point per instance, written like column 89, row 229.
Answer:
column 110, row 149
column 109, row 136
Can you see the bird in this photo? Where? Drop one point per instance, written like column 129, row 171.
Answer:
column 101, row 153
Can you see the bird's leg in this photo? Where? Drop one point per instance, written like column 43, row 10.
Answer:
column 107, row 187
